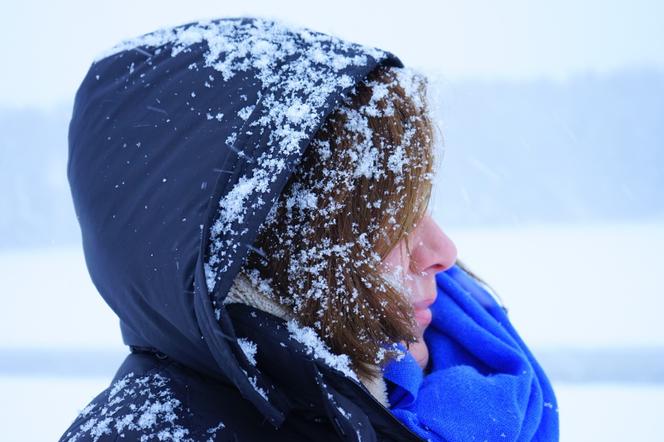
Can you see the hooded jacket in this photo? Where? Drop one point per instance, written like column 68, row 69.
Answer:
column 180, row 142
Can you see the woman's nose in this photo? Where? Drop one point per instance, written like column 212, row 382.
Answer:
column 434, row 251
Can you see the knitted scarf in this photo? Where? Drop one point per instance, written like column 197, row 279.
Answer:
column 482, row 383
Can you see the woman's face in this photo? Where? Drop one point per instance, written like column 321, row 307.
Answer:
column 431, row 251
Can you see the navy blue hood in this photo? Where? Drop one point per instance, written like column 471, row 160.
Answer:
column 180, row 142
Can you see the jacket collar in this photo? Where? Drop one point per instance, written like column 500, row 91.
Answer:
column 244, row 291
column 313, row 387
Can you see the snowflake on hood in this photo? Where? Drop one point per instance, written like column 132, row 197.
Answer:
column 295, row 85
column 275, row 86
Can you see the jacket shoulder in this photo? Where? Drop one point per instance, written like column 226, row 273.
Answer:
column 152, row 399
column 151, row 402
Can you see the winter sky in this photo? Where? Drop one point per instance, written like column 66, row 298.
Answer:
column 48, row 46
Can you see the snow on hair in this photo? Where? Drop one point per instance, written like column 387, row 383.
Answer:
column 363, row 184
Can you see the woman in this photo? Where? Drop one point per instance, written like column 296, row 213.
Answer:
column 252, row 200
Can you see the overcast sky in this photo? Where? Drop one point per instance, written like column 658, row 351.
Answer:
column 48, row 46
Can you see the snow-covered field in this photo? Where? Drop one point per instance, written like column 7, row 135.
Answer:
column 580, row 286
column 568, row 289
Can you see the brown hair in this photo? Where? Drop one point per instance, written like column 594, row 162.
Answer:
column 362, row 185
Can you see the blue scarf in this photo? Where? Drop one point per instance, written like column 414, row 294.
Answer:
column 483, row 383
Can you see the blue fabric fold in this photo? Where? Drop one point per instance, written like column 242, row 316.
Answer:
column 482, row 383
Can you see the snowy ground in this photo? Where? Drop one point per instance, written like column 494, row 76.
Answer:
column 587, row 299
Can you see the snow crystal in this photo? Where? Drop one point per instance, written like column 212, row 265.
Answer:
column 411, row 80
column 216, row 428
column 313, row 198
column 263, row 393
column 344, row 413
column 245, row 112
column 151, row 405
column 294, row 84
column 249, row 349
column 87, row 409
column 292, row 96
column 297, row 112
column 396, row 276
column 212, row 431
column 124, row 422
column 260, row 283
column 218, row 116
column 119, row 385
column 318, row 349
